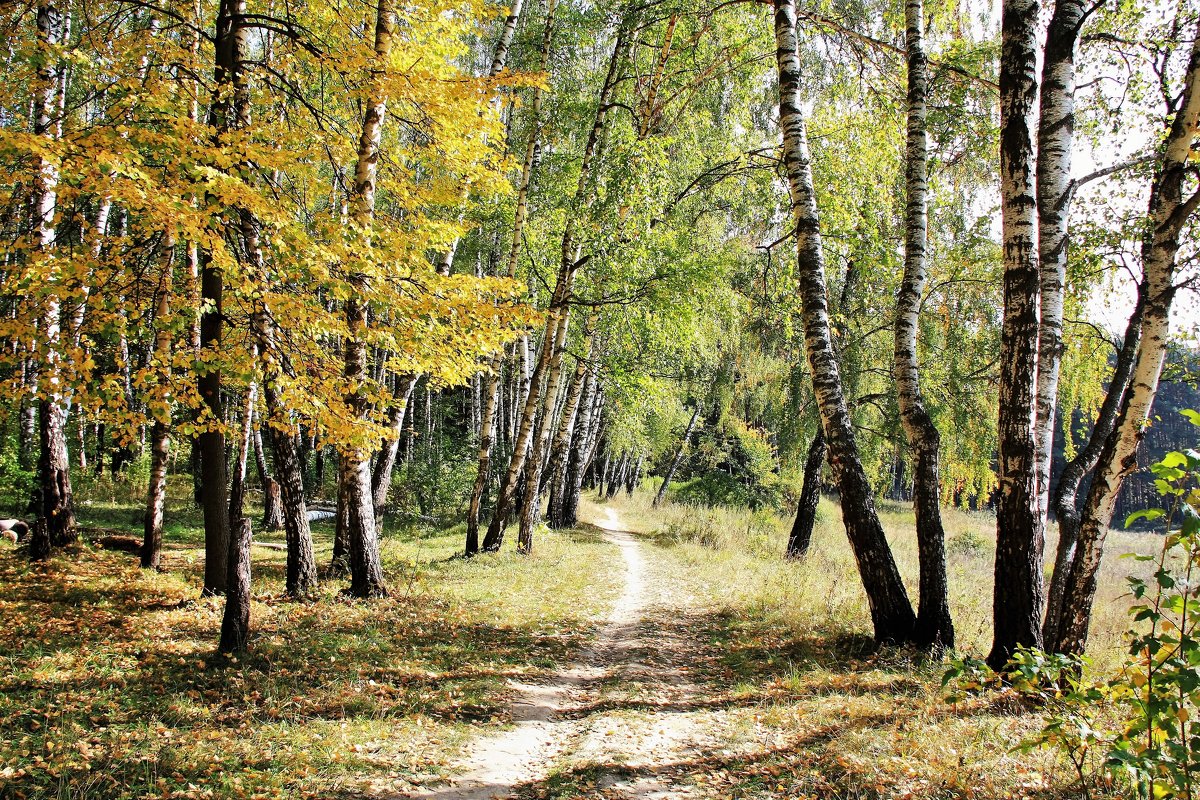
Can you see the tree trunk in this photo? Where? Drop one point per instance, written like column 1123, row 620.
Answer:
column 810, row 496
column 582, row 451
column 381, row 476
column 241, row 461
column 617, row 477
column 1169, row 212
column 1017, row 604
column 366, row 572
column 445, row 260
column 531, row 504
column 1056, row 130
column 554, row 344
column 676, row 459
column 488, row 424
column 486, row 432
column 235, row 623
column 227, row 73
column 54, row 477
column 635, row 476
column 340, row 563
column 1066, row 493
column 934, row 626
column 301, row 575
column 160, row 431
column 272, row 497
column 891, row 611
column 532, row 145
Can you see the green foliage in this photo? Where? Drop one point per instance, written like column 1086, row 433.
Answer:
column 16, row 482
column 437, row 479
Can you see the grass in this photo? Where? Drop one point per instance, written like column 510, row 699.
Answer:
column 110, row 686
column 794, row 639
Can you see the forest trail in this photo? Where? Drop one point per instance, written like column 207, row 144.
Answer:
column 622, row 720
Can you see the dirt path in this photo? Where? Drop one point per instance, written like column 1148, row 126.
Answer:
column 615, row 723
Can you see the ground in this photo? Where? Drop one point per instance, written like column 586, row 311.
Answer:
column 650, row 653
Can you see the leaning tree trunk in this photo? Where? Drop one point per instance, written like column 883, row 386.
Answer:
column 366, row 571
column 934, row 626
column 1056, row 130
column 1017, row 604
column 381, row 476
column 891, row 611
column 810, row 496
column 676, row 459
column 1169, row 213
column 1066, row 493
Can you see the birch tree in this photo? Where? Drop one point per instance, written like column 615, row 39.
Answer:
column 1017, row 603
column 934, row 626
column 891, row 611
column 1172, row 204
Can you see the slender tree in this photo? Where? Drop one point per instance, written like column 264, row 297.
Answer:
column 366, row 572
column 1169, row 211
column 891, row 611
column 934, row 625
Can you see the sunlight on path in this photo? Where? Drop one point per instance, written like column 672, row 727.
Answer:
column 501, row 763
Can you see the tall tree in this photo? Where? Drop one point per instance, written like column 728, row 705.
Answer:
column 366, row 572
column 558, row 313
column 1017, row 604
column 56, row 524
column 934, row 625
column 891, row 611
column 1169, row 211
column 1056, row 131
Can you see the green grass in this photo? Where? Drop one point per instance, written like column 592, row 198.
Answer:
column 109, row 686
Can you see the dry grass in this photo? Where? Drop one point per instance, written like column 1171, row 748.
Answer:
column 823, row 594
column 846, row 722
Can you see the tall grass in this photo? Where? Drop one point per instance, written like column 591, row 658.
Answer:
column 738, row 555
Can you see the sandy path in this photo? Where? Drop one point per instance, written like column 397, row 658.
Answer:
column 543, row 729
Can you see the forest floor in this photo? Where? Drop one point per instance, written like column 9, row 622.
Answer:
column 651, row 653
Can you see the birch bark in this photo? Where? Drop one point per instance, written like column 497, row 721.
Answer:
column 891, row 611
column 934, row 625
column 366, row 572
column 1169, row 211
column 1017, row 602
column 1056, row 131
